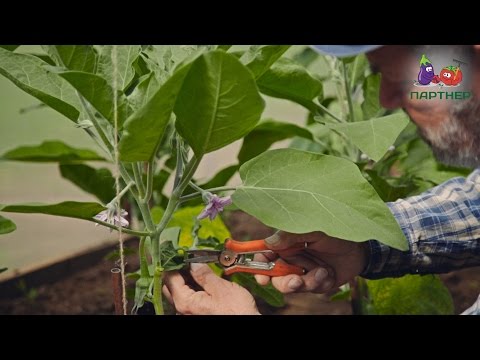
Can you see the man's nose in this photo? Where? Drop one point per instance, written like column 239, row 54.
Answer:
column 390, row 95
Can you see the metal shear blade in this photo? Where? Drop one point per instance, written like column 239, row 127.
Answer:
column 202, row 256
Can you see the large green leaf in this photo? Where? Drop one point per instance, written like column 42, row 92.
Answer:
column 265, row 134
column 169, row 56
column 260, row 58
column 50, row 151
column 185, row 219
column 146, row 88
column 9, row 47
column 420, row 162
column 218, row 103
column 6, row 225
column 356, row 70
column 387, row 191
column 144, row 129
column 268, row 293
column 98, row 182
column 29, row 74
column 224, row 47
column 374, row 136
column 220, row 178
column 73, row 57
column 371, row 94
column 73, row 209
column 98, row 93
column 289, row 80
column 126, row 57
column 410, row 295
column 300, row 192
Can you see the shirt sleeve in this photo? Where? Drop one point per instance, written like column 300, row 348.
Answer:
column 442, row 226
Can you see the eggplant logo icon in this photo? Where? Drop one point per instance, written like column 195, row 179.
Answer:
column 448, row 76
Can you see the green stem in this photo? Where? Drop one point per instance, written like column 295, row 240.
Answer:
column 196, row 187
column 143, row 258
column 172, row 205
column 157, row 291
column 352, row 150
column 146, row 215
column 348, row 93
column 124, row 190
column 137, row 173
column 95, row 123
column 149, row 191
column 143, row 207
column 354, row 72
column 328, row 112
column 124, row 230
column 179, row 166
column 173, row 202
column 212, row 190
column 97, row 140
column 156, row 256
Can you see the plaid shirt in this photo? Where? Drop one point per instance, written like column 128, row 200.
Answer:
column 442, row 227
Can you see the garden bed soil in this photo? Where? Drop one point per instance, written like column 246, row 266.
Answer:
column 88, row 290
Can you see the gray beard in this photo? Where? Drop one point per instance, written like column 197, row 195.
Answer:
column 457, row 141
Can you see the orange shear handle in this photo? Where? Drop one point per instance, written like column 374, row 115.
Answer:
column 279, row 269
column 254, row 246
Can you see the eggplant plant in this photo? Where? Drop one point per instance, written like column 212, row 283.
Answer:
column 156, row 111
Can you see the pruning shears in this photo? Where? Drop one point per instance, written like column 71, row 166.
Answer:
column 236, row 256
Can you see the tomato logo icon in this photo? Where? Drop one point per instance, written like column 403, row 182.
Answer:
column 451, row 75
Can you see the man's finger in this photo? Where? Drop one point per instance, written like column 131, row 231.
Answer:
column 176, row 285
column 281, row 240
column 288, row 284
column 265, row 257
column 262, row 279
column 207, row 279
column 318, row 280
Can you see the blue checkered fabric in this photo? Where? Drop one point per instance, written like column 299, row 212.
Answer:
column 442, row 226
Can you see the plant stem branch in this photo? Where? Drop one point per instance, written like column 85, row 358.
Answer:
column 173, row 202
column 157, row 291
column 196, row 187
column 179, row 166
column 348, row 93
column 128, row 179
column 124, row 190
column 328, row 112
column 137, row 173
column 149, row 190
column 95, row 123
column 125, row 230
column 212, row 190
column 143, row 258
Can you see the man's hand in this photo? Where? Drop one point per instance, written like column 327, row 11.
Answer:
column 330, row 262
column 219, row 297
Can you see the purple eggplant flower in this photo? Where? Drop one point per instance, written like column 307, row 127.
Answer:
column 214, row 206
column 110, row 217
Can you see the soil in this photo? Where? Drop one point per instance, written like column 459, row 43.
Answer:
column 89, row 291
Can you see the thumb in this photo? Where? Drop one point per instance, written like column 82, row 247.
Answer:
column 281, row 240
